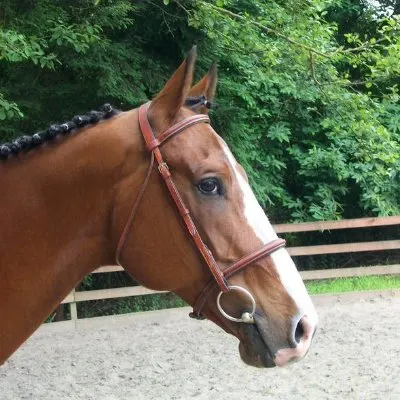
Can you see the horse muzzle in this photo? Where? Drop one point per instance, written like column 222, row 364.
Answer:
column 261, row 346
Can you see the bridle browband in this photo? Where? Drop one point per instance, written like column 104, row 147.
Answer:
column 219, row 277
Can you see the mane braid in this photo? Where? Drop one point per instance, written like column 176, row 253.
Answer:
column 26, row 143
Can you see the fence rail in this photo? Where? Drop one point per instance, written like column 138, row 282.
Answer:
column 75, row 297
column 342, row 224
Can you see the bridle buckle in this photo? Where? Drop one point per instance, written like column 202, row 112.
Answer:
column 163, row 169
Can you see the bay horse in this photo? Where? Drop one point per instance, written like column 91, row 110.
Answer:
column 156, row 190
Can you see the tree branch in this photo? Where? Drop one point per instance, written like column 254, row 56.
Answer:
column 312, row 68
column 265, row 29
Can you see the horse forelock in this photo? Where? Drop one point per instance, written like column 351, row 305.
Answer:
column 193, row 102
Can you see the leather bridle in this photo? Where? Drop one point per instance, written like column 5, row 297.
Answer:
column 219, row 277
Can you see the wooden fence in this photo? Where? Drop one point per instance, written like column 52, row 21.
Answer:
column 74, row 297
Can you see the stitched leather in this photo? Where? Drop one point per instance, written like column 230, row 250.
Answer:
column 164, row 171
column 265, row 251
column 151, row 141
column 180, row 126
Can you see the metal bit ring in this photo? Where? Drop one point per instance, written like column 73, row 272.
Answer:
column 247, row 318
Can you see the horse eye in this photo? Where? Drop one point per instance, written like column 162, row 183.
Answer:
column 209, row 186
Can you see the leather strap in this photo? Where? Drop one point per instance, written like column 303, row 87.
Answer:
column 128, row 224
column 265, row 251
column 179, row 127
column 166, row 175
column 151, row 141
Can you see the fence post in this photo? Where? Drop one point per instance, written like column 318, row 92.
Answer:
column 73, row 309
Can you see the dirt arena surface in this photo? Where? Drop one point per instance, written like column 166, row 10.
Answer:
column 166, row 355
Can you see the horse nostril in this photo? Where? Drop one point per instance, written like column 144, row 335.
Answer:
column 299, row 331
column 302, row 331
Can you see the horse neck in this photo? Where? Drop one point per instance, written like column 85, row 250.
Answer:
column 57, row 220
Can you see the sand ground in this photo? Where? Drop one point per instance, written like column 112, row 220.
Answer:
column 166, row 355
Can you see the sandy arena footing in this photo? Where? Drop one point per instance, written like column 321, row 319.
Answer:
column 166, row 355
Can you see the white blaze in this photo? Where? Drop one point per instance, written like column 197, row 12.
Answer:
column 258, row 221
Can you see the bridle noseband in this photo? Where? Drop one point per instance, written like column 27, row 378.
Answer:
column 220, row 277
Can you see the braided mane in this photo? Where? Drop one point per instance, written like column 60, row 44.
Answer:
column 26, row 142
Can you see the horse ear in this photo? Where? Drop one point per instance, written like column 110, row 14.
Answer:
column 205, row 87
column 165, row 106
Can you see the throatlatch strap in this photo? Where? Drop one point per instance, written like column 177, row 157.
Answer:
column 128, row 224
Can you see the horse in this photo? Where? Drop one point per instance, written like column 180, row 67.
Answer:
column 158, row 191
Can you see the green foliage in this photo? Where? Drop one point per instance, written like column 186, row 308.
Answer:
column 308, row 93
column 15, row 47
column 310, row 140
column 56, row 58
column 360, row 283
column 79, row 37
column 9, row 110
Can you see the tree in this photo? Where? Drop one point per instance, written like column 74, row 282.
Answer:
column 328, row 150
column 307, row 97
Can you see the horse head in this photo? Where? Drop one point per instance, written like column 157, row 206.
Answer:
column 255, row 292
